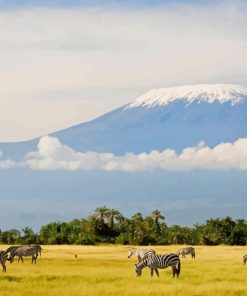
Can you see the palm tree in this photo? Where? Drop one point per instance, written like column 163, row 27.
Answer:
column 114, row 215
column 101, row 214
column 156, row 216
column 137, row 217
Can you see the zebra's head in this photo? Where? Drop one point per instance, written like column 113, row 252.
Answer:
column 130, row 253
column 10, row 258
column 138, row 270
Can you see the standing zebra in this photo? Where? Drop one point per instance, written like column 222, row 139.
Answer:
column 25, row 251
column 245, row 259
column 187, row 251
column 3, row 259
column 159, row 261
column 140, row 254
column 39, row 248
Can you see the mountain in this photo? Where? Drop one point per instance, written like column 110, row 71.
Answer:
column 170, row 117
column 175, row 118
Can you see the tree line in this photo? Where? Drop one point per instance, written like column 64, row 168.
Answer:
column 107, row 225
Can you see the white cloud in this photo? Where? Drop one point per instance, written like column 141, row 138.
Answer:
column 43, row 51
column 52, row 155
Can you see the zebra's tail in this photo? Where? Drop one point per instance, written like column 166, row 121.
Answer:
column 179, row 268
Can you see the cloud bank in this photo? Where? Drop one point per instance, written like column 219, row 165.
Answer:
column 53, row 155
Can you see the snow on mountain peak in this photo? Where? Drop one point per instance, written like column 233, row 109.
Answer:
column 200, row 92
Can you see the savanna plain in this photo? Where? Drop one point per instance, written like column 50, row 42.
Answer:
column 106, row 270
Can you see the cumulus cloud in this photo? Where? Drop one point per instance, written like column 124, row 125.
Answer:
column 53, row 155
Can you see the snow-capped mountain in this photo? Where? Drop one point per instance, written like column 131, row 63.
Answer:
column 202, row 92
column 176, row 118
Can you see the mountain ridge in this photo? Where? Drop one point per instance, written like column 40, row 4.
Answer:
column 141, row 128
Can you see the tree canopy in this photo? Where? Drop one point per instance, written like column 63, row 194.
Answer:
column 107, row 225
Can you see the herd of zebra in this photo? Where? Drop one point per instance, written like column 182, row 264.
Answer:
column 20, row 252
column 149, row 258
column 146, row 258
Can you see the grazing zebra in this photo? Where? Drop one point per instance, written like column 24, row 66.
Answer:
column 245, row 259
column 24, row 251
column 187, row 251
column 3, row 259
column 10, row 251
column 140, row 254
column 159, row 261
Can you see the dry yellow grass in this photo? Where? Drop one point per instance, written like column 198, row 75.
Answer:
column 106, row 270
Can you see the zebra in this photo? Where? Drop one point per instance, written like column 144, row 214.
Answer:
column 11, row 249
column 24, row 251
column 159, row 261
column 187, row 251
column 140, row 254
column 38, row 247
column 3, row 259
column 244, row 259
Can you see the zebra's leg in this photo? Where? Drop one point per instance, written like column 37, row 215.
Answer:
column 21, row 259
column 178, row 272
column 157, row 272
column 33, row 259
column 4, row 266
column 152, row 271
column 174, row 271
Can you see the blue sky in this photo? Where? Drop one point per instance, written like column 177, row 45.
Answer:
column 76, row 3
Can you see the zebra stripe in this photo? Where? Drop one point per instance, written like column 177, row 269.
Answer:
column 187, row 251
column 38, row 247
column 159, row 261
column 3, row 259
column 25, row 251
column 142, row 253
column 245, row 259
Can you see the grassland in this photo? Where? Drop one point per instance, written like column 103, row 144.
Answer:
column 106, row 270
